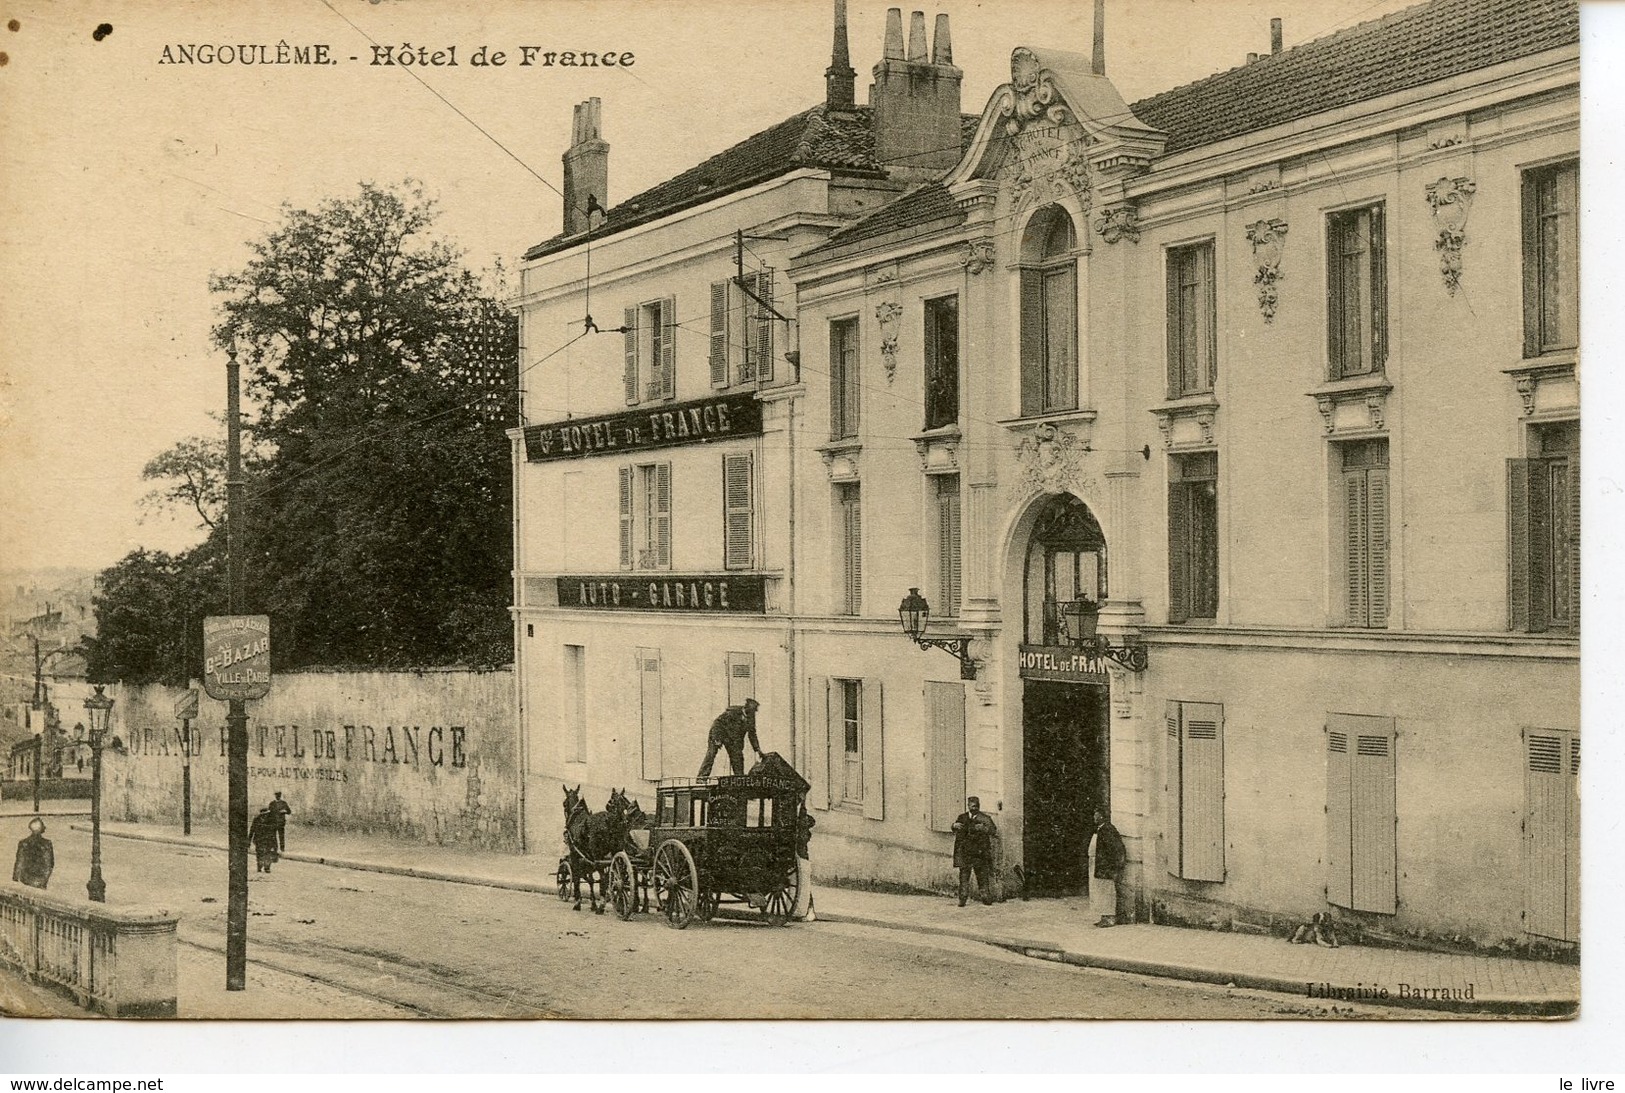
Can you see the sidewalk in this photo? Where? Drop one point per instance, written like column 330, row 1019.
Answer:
column 1051, row 929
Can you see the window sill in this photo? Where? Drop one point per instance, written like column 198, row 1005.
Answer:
column 1548, row 386
column 1054, row 417
column 1187, row 423
column 1354, row 407
column 938, row 449
column 841, row 458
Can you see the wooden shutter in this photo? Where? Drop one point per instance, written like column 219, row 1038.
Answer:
column 945, row 755
column 1339, row 849
column 815, row 763
column 666, row 345
column 1357, row 539
column 629, row 336
column 626, row 518
column 1202, row 790
column 1176, row 325
column 662, row 514
column 648, row 662
column 1378, row 255
column 1531, row 265
column 1172, row 834
column 873, row 730
column 719, row 334
column 738, row 511
column 1574, row 537
column 1519, row 588
column 948, row 546
column 1210, row 316
column 762, row 336
column 1032, row 342
column 1334, row 297
column 1179, row 552
column 852, row 552
column 1551, row 833
column 1371, row 810
column 741, row 677
column 1376, row 493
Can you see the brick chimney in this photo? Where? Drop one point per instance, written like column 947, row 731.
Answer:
column 840, row 78
column 586, row 167
column 1275, row 35
column 1097, row 59
column 915, row 98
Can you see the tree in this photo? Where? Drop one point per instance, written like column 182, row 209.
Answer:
column 193, row 473
column 150, row 611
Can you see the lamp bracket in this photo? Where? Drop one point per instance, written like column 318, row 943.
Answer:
column 1132, row 656
column 959, row 646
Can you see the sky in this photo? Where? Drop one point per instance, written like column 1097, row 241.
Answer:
column 127, row 182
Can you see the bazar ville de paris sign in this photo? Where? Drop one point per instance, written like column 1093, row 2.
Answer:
column 666, row 425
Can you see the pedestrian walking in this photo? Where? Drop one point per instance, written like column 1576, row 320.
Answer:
column 279, row 816
column 35, row 857
column 973, row 850
column 262, row 834
column 730, row 730
column 1107, row 856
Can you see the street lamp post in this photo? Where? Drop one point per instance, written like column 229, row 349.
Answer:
column 915, row 614
column 99, row 707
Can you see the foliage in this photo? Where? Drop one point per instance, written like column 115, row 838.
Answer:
column 150, row 611
column 193, row 473
column 378, row 515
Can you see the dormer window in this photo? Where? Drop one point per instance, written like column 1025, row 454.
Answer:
column 1049, row 314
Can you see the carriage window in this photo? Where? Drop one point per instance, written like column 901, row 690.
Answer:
column 759, row 813
column 668, row 809
column 697, row 810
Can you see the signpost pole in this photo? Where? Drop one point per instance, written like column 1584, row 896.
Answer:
column 186, row 776
column 237, row 715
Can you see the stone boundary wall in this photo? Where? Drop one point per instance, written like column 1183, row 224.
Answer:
column 427, row 755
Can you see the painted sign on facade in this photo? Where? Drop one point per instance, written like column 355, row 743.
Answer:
column 237, row 656
column 725, row 417
column 1062, row 664
column 703, row 592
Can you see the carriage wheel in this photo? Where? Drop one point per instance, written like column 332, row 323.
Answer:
column 677, row 883
column 623, row 895
column 565, row 880
column 782, row 900
column 705, row 910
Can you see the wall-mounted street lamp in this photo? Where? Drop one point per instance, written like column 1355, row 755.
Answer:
column 99, row 709
column 1080, row 621
column 915, row 614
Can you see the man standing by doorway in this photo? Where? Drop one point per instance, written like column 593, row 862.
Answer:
column 730, row 730
column 973, row 850
column 1107, row 856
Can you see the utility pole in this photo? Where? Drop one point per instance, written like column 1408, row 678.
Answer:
column 237, row 713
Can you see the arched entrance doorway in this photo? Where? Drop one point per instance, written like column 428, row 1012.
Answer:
column 1066, row 758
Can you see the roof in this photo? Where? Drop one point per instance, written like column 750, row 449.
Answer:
column 1410, row 48
column 921, row 205
column 842, row 141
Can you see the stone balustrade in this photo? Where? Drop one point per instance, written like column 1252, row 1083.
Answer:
column 117, row 961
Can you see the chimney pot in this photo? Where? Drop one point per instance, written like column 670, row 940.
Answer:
column 894, row 34
column 916, row 38
column 1252, row 58
column 1275, row 35
column 840, row 79
column 586, row 166
column 942, row 44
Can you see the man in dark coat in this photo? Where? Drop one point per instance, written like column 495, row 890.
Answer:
column 280, row 811
column 973, row 850
column 262, row 834
column 1107, row 857
column 730, row 730
column 35, row 857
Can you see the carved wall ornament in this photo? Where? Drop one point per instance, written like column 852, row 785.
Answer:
column 1451, row 200
column 1051, row 460
column 1119, row 222
column 978, row 255
column 1374, row 403
column 1047, row 145
column 887, row 314
column 1165, row 422
column 1268, row 238
column 1526, row 392
column 1327, row 409
column 1204, row 421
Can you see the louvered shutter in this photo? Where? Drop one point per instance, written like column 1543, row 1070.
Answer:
column 1339, row 849
column 626, row 517
column 1334, row 298
column 1376, row 481
column 945, row 758
column 762, row 336
column 1372, row 803
column 741, row 677
column 1179, row 552
column 1540, row 539
column 1531, row 265
column 948, row 546
column 1519, row 589
column 1571, row 877
column 738, row 511
column 667, row 343
column 1172, row 789
column 629, row 336
column 1547, row 788
column 873, row 730
column 815, row 764
column 1379, row 289
column 852, row 517
column 1032, row 342
column 648, row 664
column 1574, row 538
column 1175, row 321
column 662, row 515
column 752, row 314
column 1357, row 544
column 1210, row 317
column 1202, row 790
column 719, row 334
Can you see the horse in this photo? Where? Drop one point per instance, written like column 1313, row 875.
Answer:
column 592, row 837
column 637, row 821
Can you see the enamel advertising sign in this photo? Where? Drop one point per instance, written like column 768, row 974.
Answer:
column 237, row 656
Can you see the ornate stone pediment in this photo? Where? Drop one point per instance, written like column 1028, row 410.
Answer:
column 1047, row 158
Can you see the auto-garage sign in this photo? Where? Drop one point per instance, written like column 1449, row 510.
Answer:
column 237, row 656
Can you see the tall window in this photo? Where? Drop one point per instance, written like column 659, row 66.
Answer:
column 843, row 379
column 575, row 698
column 1551, row 259
column 849, row 519
column 1362, row 864
column 739, row 511
column 1356, row 292
column 1365, row 532
column 1192, row 343
column 645, row 502
column 1193, row 537
column 650, row 338
column 941, row 362
column 1543, row 531
column 1194, row 789
column 742, row 332
column 850, row 695
column 948, row 552
column 1049, row 314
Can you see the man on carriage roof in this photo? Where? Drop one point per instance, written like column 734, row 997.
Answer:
column 730, row 730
